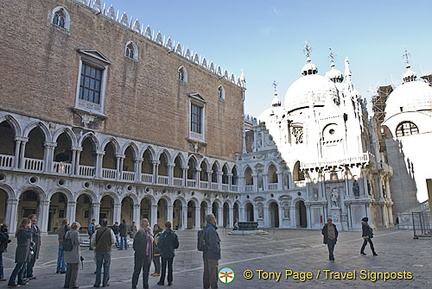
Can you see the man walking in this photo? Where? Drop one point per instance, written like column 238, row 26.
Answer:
column 367, row 234
column 211, row 253
column 61, row 265
column 143, row 246
column 167, row 243
column 101, row 242
column 330, row 237
column 123, row 235
column 36, row 241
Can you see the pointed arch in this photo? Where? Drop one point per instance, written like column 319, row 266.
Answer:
column 40, row 125
column 13, row 123
column 68, row 132
column 91, row 136
column 131, row 50
column 112, row 140
column 182, row 74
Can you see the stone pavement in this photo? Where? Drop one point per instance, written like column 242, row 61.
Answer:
column 297, row 252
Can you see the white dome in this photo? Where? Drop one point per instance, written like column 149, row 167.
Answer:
column 410, row 96
column 272, row 113
column 309, row 89
column 335, row 75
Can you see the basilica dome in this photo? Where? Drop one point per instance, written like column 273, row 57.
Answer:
column 412, row 95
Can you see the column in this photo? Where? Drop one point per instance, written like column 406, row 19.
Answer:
column 220, row 214
column 280, row 215
column 153, row 215
column 98, row 172
column 43, row 215
column 242, row 214
column 95, row 212
column 76, row 160
column 255, row 182
column 265, row 182
column 18, row 156
column 266, row 217
column 169, row 216
column 280, row 181
column 184, row 217
column 171, row 174
column 71, row 212
column 185, row 176
column 74, row 163
column 231, row 217
column 197, row 221
column 155, row 171
column 117, row 213
column 22, row 153
column 49, row 156
column 137, row 170
column 136, row 215
column 11, row 214
column 119, row 166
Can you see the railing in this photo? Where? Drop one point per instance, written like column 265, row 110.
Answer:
column 191, row 183
column 163, row 180
column 62, row 168
column 272, row 186
column 128, row 176
column 214, row 186
column 147, row 178
column 234, row 188
column 204, row 185
column 6, row 161
column 178, row 182
column 33, row 164
column 87, row 171
column 109, row 173
column 249, row 188
column 225, row 187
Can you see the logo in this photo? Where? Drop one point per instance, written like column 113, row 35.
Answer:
column 226, row 275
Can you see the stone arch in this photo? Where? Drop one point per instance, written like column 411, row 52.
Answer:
column 9, row 191
column 273, row 207
column 55, row 20
column 249, row 210
column 192, row 206
column 69, row 133
column 131, row 50
column 42, row 126
column 301, row 213
column 92, row 138
column 177, row 217
column 131, row 145
column 112, row 140
column 13, row 123
column 150, row 150
column 58, row 208
column 65, row 191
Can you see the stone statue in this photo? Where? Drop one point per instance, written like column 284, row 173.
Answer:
column 334, row 198
column 356, row 189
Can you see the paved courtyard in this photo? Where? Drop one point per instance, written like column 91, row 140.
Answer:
column 281, row 259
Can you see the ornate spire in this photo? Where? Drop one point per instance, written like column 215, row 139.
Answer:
column 406, row 55
column 334, row 75
column 332, row 57
column 409, row 75
column 308, row 68
column 276, row 101
column 307, row 51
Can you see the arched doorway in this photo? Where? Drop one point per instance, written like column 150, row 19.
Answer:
column 274, row 215
column 236, row 212
column 29, row 202
column 106, row 209
column 3, row 205
column 225, row 215
column 177, row 215
column 84, row 210
column 57, row 211
column 215, row 211
column 301, row 214
column 162, row 212
column 203, row 213
column 249, row 212
column 191, row 215
column 126, row 210
column 145, row 211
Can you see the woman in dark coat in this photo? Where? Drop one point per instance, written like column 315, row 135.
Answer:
column 72, row 258
column 367, row 234
column 23, row 236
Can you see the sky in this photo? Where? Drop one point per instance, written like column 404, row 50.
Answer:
column 266, row 38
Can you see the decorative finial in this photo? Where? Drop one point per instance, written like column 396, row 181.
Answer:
column 406, row 55
column 307, row 51
column 332, row 57
column 275, row 85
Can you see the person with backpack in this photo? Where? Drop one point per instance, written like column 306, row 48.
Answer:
column 211, row 253
column 4, row 241
column 90, row 230
column 157, row 231
column 61, row 265
column 102, row 242
column 143, row 247
column 72, row 256
column 167, row 243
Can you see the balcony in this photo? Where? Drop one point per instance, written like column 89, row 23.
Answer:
column 128, row 176
column 109, row 174
column 86, row 171
column 191, row 183
column 62, row 168
column 147, row 178
column 225, row 187
column 249, row 188
column 178, row 182
column 163, row 180
column 272, row 187
column 204, row 185
column 35, row 165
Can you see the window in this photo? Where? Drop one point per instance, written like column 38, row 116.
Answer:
column 406, row 128
column 91, row 82
column 131, row 50
column 182, row 74
column 221, row 92
column 60, row 18
column 196, row 117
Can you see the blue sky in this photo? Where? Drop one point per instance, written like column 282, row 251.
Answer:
column 266, row 38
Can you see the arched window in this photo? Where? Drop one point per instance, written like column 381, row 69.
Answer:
column 406, row 128
column 221, row 92
column 131, row 51
column 182, row 74
column 60, row 18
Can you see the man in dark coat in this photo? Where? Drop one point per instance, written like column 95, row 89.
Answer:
column 211, row 253
column 143, row 246
column 123, row 235
column 22, row 252
column 367, row 234
column 167, row 243
column 36, row 241
column 330, row 237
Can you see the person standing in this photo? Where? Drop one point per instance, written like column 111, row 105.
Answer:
column 211, row 253
column 72, row 257
column 168, row 242
column 143, row 247
column 123, row 235
column 101, row 242
column 367, row 234
column 61, row 265
column 133, row 230
column 36, row 239
column 23, row 235
column 330, row 233
column 91, row 230
column 157, row 230
column 4, row 241
column 116, row 231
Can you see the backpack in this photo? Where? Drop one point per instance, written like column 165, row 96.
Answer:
column 201, row 243
column 67, row 243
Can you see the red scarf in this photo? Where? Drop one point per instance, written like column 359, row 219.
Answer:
column 149, row 237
